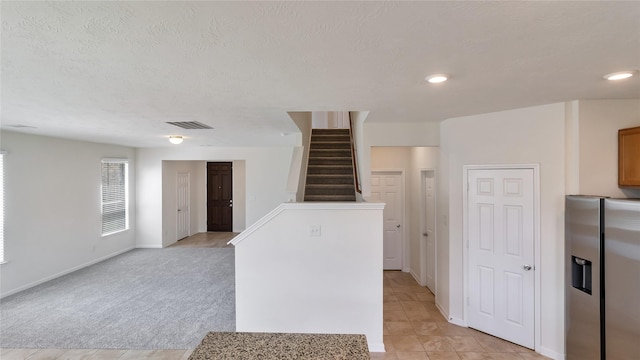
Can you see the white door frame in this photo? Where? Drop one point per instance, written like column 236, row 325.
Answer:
column 423, row 226
column 405, row 254
column 536, row 237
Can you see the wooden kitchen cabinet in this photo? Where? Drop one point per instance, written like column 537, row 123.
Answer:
column 629, row 157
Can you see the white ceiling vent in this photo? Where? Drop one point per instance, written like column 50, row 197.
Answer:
column 191, row 125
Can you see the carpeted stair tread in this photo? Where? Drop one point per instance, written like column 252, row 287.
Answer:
column 330, row 160
column 329, row 179
column 330, row 153
column 329, row 189
column 330, row 169
column 329, row 131
column 330, row 197
column 341, row 138
column 330, row 145
column 326, row 158
column 330, row 166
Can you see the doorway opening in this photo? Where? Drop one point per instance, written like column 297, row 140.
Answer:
column 219, row 196
column 428, row 231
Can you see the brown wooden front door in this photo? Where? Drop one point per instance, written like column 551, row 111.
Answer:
column 219, row 196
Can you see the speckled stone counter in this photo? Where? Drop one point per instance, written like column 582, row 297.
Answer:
column 268, row 346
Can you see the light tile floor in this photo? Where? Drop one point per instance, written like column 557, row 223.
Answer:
column 414, row 329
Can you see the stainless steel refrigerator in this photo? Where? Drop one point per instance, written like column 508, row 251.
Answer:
column 602, row 277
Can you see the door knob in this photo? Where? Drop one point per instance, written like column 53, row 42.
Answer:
column 526, row 267
column 398, row 226
column 425, row 234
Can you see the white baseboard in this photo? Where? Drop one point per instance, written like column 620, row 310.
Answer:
column 550, row 353
column 148, row 247
column 416, row 278
column 458, row 321
column 376, row 347
column 65, row 272
column 451, row 319
column 173, row 242
column 444, row 313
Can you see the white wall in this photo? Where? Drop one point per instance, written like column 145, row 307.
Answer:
column 264, row 170
column 599, row 122
column 197, row 201
column 362, row 157
column 393, row 134
column 198, row 197
column 320, row 119
column 422, row 158
column 409, row 160
column 397, row 159
column 303, row 122
column 530, row 135
column 53, row 211
column 289, row 281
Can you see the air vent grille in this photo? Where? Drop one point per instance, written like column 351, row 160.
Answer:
column 191, row 125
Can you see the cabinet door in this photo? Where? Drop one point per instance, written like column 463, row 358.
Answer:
column 629, row 157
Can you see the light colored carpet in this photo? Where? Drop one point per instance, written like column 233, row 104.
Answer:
column 143, row 299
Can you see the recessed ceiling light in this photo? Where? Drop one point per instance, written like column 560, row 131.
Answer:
column 437, row 78
column 175, row 139
column 620, row 75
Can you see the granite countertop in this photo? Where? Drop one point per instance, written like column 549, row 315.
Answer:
column 268, row 346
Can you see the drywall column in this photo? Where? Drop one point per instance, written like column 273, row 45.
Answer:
column 530, row 135
column 312, row 268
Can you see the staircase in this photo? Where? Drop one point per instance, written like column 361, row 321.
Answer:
column 330, row 174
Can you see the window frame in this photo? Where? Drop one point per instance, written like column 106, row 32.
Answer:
column 125, row 162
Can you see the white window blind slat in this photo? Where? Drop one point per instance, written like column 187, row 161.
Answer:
column 114, row 196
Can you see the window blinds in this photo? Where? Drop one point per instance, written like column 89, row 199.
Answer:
column 114, row 196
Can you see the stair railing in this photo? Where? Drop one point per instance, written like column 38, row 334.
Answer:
column 354, row 155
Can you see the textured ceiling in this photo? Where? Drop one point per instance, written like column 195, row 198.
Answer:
column 115, row 72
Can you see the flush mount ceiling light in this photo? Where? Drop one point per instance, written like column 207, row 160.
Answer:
column 175, row 139
column 437, row 78
column 620, row 75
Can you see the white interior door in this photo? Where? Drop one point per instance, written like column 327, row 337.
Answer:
column 182, row 205
column 386, row 187
column 429, row 229
column 500, row 224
